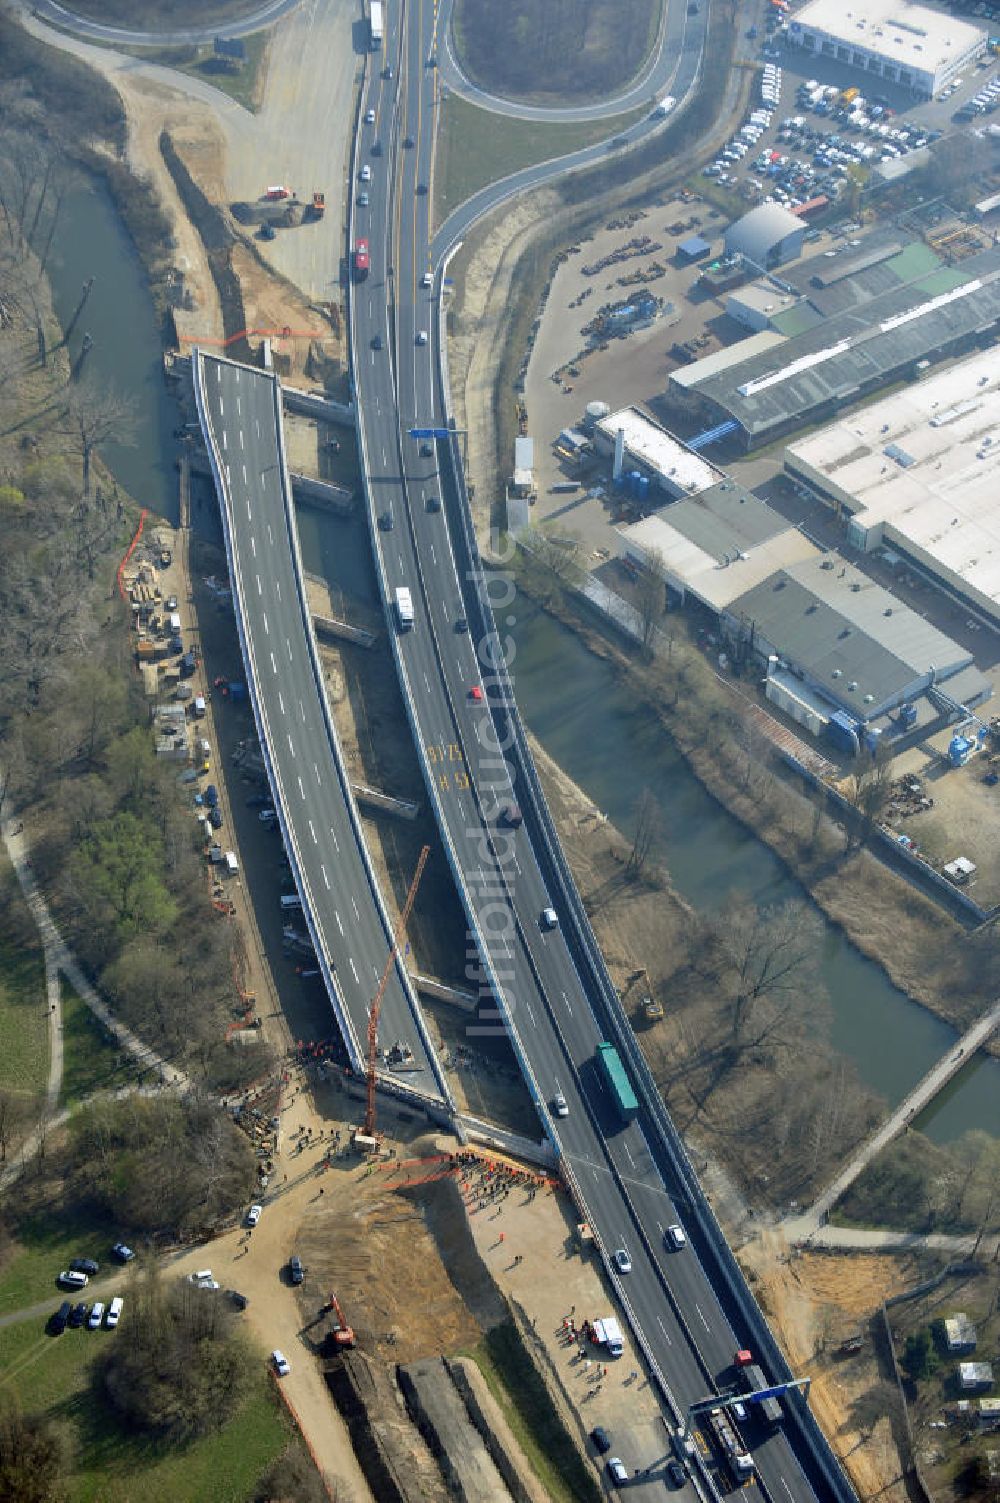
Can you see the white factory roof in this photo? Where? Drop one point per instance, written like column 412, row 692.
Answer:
column 764, row 297
column 684, row 471
column 714, row 582
column 925, row 462
column 910, row 35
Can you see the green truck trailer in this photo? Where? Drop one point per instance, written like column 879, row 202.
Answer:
column 617, row 1081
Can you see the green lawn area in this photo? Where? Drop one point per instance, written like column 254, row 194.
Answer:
column 54, row 1374
column 43, row 1244
column 90, row 1062
column 476, row 147
column 24, row 1042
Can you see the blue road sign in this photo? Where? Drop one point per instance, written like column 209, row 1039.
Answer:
column 766, row 1393
column 429, row 432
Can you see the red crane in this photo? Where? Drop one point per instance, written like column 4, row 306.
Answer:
column 376, row 1007
column 343, row 1335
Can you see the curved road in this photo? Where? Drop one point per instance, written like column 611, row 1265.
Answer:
column 195, row 36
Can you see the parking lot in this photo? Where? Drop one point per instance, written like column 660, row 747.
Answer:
column 816, row 119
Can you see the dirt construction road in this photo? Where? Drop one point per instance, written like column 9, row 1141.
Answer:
column 254, row 1263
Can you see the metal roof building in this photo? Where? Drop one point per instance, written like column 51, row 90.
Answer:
column 657, row 454
column 812, row 375
column 846, row 637
column 890, row 39
column 717, row 545
column 768, row 236
column 919, row 473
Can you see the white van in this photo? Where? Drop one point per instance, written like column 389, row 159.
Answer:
column 231, row 863
column 115, row 1309
column 664, row 107
column 175, row 623
column 72, row 1278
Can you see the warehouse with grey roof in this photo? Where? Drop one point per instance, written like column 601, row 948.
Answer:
column 786, row 383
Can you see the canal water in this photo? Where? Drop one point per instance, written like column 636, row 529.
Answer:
column 571, row 700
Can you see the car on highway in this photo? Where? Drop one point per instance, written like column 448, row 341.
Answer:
column 385, row 521
column 675, row 1237
column 122, row 1253
column 363, row 199
column 427, row 280
column 617, row 1470
column 366, row 173
column 427, row 449
column 115, row 1309
column 369, row 117
column 433, row 502
column 254, row 1214
column 407, row 141
column 376, row 341
column 421, row 189
column 623, row 1262
column 387, row 72
column 296, row 1272
column 676, row 1475
column 476, row 695
column 78, row 1315
column 282, row 1366
column 461, row 625
column 549, row 919
column 559, row 1107
column 376, row 148
column 84, row 1265
column 421, row 336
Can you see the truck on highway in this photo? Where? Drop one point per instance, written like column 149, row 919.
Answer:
column 404, row 609
column 375, row 24
column 617, row 1081
column 729, row 1444
column 752, row 1380
column 361, row 260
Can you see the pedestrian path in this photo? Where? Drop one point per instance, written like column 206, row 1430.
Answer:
column 804, row 1226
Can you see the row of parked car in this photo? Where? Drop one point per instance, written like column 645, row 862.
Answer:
column 94, row 1316
column 983, row 103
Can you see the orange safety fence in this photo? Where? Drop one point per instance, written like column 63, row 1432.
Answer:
column 305, row 1439
column 284, row 333
column 129, row 552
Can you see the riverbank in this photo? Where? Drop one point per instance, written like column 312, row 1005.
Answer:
column 922, row 951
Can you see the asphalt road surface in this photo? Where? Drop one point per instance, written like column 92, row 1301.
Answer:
column 291, row 713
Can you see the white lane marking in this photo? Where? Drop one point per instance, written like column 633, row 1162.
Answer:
column 270, row 535
column 333, row 837
column 222, row 407
column 253, row 546
column 326, row 879
column 242, row 444
column 256, row 423
column 239, row 404
column 260, row 590
column 666, row 1333
column 316, row 771
column 218, row 374
column 702, row 1318
column 302, row 711
column 277, row 588
column 281, row 702
column 302, row 791
column 517, row 866
column 458, row 661
column 354, row 971
column 289, row 646
column 433, row 556
column 312, row 832
column 354, row 905
column 237, row 378
column 291, row 746
column 788, row 1490
column 274, row 666
column 225, row 440
column 531, row 1015
column 567, row 1001
column 267, row 629
column 245, row 479
column 384, row 460
column 249, row 512
column 339, row 924
column 427, row 684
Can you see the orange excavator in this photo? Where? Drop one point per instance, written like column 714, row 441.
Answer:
column 343, row 1335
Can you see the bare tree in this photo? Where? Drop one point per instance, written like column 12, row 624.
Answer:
column 650, row 595
column 868, row 793
column 769, row 952
column 648, row 823
column 93, row 417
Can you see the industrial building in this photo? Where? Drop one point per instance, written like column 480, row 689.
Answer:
column 715, row 546
column 910, row 45
column 759, row 304
column 523, row 479
column 768, row 236
column 918, row 474
column 845, row 657
column 769, row 386
column 639, row 446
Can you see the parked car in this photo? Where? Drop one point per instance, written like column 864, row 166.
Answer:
column 296, row 1272
column 115, row 1309
column 72, row 1278
column 282, row 1366
column 122, row 1253
column 84, row 1265
column 59, row 1319
column 254, row 1215
column 96, row 1315
column 78, row 1314
column 601, row 1440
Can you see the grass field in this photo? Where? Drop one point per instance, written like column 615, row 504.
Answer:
column 54, row 1375
column 476, row 147
column 44, row 1243
column 90, row 1063
column 24, row 1043
column 165, row 15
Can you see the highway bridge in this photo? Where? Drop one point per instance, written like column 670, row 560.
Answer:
column 546, row 984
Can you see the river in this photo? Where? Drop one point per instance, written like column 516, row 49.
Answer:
column 571, row 700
